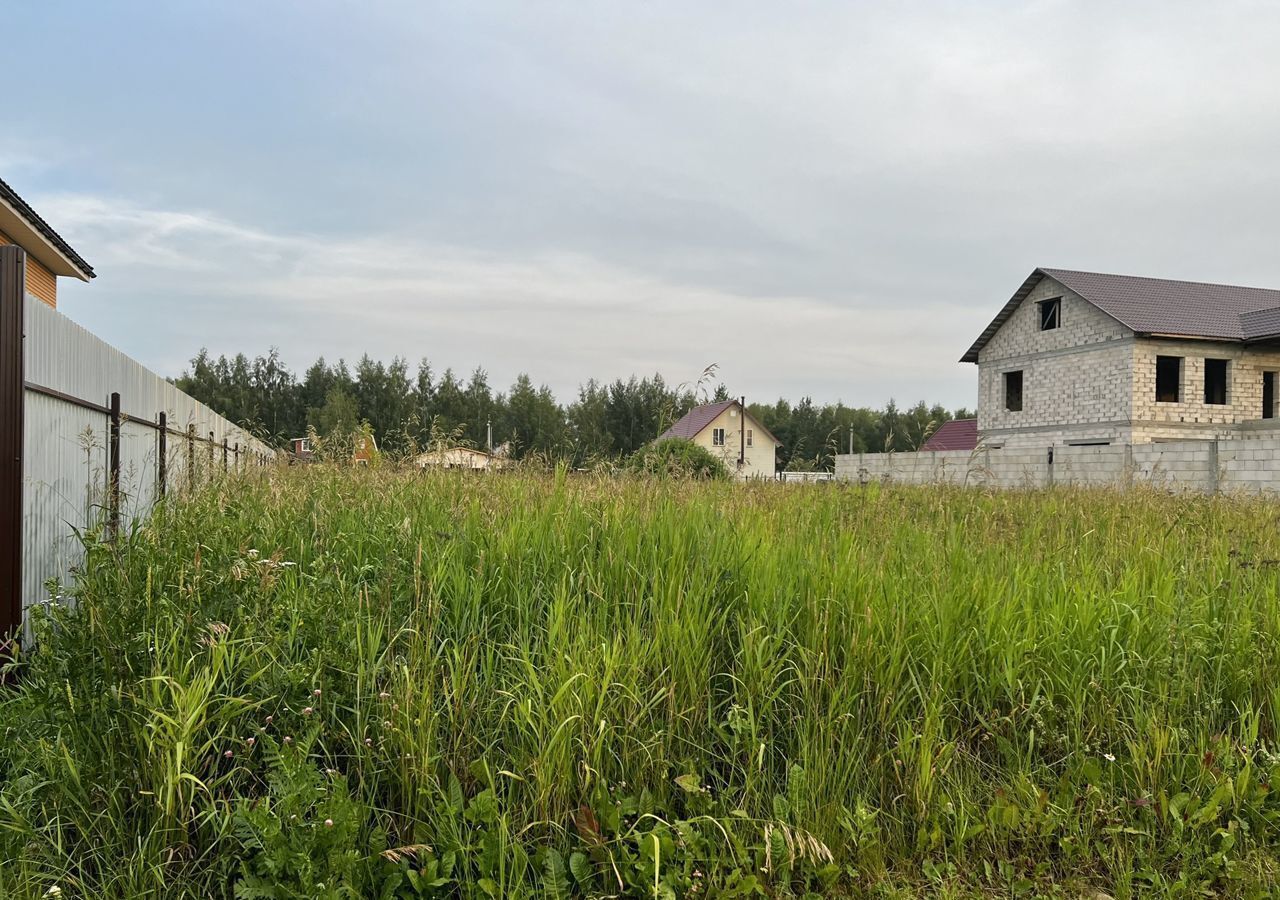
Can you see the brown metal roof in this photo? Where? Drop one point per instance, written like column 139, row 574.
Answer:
column 695, row 420
column 958, row 434
column 44, row 229
column 1159, row 306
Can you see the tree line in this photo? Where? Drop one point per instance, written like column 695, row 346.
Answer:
column 408, row 409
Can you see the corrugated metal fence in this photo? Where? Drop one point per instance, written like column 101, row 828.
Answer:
column 102, row 438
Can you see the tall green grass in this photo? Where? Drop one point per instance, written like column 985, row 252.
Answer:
column 334, row 683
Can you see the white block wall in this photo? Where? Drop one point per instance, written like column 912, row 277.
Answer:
column 1247, row 465
column 1077, row 379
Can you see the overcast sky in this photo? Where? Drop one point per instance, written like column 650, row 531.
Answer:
column 824, row 199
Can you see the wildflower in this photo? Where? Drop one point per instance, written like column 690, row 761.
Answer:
column 368, row 742
column 383, row 696
column 316, row 692
column 307, row 711
column 287, row 739
column 328, row 823
column 1109, row 757
column 251, row 741
column 386, row 723
column 54, row 891
column 228, row 754
column 270, row 719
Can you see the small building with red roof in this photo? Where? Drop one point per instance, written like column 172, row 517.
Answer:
column 958, row 434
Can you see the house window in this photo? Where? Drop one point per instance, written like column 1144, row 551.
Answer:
column 1050, row 314
column 1013, row 391
column 1268, row 395
column 749, row 436
column 1168, row 379
column 717, row 437
column 1215, row 381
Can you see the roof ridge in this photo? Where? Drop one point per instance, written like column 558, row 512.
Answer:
column 23, row 208
column 1222, row 284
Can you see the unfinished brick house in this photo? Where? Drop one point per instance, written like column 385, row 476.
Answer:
column 1081, row 358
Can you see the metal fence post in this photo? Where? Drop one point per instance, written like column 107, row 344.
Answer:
column 162, row 449
column 224, row 454
column 113, row 461
column 212, row 444
column 236, row 451
column 12, row 377
column 191, row 455
column 1215, row 474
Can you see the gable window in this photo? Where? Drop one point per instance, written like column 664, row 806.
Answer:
column 1050, row 314
column 717, row 437
column 749, row 436
column 1013, row 391
column 1215, row 381
column 1168, row 379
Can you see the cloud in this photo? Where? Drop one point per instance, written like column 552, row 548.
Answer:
column 831, row 199
column 128, row 236
column 563, row 317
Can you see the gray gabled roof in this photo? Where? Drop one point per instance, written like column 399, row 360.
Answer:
column 1159, row 306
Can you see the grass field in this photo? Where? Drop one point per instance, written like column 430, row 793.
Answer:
column 335, row 684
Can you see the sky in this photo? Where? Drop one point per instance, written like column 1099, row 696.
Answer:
column 822, row 199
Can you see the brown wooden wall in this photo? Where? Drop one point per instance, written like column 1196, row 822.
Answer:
column 41, row 283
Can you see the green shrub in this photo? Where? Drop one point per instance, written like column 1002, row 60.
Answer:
column 678, row 458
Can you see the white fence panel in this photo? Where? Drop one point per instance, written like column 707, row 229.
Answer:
column 66, row 446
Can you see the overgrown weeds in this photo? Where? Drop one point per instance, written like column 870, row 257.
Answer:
column 369, row 683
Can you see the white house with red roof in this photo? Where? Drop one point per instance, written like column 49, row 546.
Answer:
column 729, row 431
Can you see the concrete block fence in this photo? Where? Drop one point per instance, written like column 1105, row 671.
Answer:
column 1246, row 464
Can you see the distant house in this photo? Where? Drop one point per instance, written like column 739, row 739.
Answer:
column 1082, row 358
column 463, row 458
column 958, row 434
column 366, row 448
column 733, row 435
column 49, row 257
column 302, row 449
